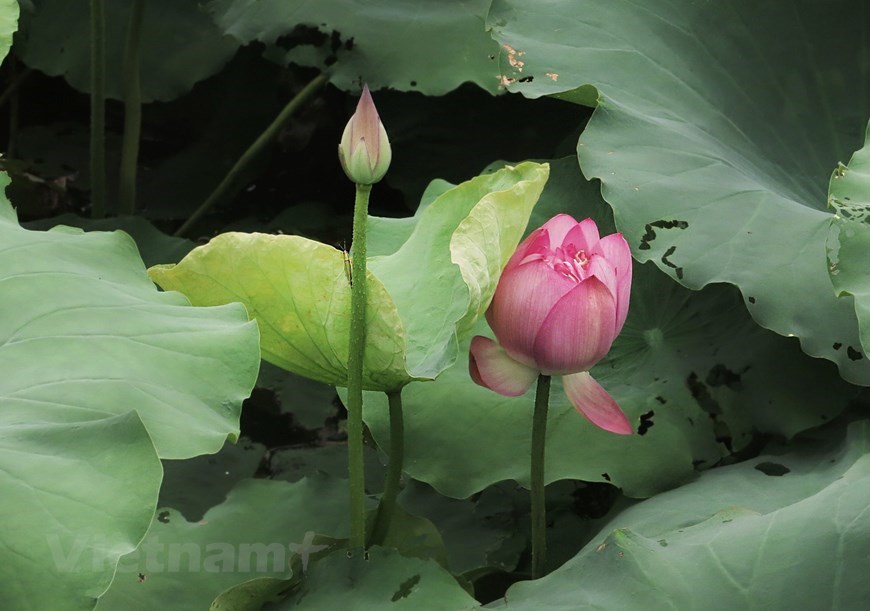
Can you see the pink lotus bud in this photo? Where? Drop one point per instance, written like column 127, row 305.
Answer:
column 560, row 302
column 364, row 151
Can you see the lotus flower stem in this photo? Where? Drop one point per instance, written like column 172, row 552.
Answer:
column 539, row 504
column 394, row 469
column 132, row 112
column 355, row 359
column 232, row 179
column 98, row 109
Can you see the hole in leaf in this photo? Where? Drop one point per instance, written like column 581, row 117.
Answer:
column 837, row 345
column 853, row 354
column 405, row 588
column 334, row 41
column 302, row 35
column 720, row 375
column 163, row 517
column 702, row 395
column 772, row 469
column 751, row 300
column 677, row 269
column 650, row 233
column 646, row 422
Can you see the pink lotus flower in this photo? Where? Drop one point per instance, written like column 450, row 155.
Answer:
column 559, row 304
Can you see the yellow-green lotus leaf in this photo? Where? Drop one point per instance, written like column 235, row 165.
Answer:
column 298, row 290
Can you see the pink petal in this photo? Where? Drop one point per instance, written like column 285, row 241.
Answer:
column 595, row 403
column 367, row 120
column 537, row 242
column 602, row 269
column 616, row 250
column 491, row 367
column 578, row 331
column 558, row 227
column 523, row 299
column 584, row 236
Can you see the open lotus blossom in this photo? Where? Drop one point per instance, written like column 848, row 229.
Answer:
column 559, row 304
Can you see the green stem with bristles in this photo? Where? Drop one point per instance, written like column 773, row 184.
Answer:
column 355, row 360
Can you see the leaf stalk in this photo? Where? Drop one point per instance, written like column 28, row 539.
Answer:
column 387, row 506
column 231, row 182
column 539, row 503
column 98, row 109
column 132, row 112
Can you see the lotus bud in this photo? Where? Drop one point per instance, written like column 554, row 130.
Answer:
column 364, row 151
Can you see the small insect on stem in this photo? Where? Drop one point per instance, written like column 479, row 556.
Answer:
column 347, row 266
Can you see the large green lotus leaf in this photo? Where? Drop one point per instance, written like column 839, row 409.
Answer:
column 782, row 531
column 406, row 45
column 106, row 341
column 691, row 370
column 256, row 532
column 298, row 291
column 154, row 246
column 180, row 45
column 76, row 497
column 443, row 277
column 716, row 130
column 382, row 579
column 386, row 234
column 849, row 239
column 103, row 375
column 8, row 24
